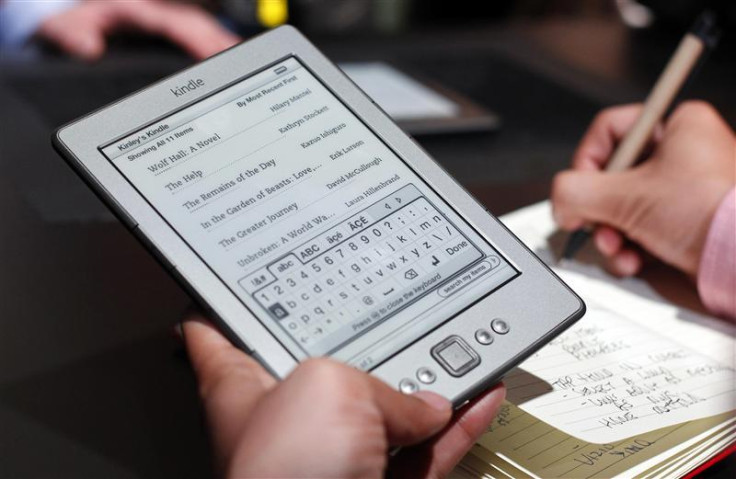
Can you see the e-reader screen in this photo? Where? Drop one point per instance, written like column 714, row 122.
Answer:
column 324, row 233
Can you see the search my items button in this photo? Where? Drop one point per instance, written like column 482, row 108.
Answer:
column 492, row 262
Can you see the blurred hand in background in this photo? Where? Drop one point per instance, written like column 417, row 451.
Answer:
column 81, row 29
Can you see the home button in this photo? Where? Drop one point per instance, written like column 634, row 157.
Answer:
column 455, row 356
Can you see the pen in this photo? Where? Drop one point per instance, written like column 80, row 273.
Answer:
column 702, row 36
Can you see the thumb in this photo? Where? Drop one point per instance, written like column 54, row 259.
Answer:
column 410, row 419
column 230, row 382
column 580, row 197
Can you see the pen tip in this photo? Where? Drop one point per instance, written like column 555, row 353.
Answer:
column 576, row 241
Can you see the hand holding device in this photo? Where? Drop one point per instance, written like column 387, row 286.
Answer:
column 325, row 419
column 665, row 204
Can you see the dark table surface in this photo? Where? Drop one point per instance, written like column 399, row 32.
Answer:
column 109, row 392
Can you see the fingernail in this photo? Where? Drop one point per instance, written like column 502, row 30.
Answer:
column 603, row 245
column 627, row 264
column 433, row 400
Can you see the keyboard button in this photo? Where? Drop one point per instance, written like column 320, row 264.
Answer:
column 455, row 356
column 278, row 311
column 257, row 280
column 285, row 265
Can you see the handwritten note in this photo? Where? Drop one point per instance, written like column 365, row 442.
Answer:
column 613, row 379
column 634, row 363
column 639, row 386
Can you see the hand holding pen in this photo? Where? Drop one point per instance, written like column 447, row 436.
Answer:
column 664, row 204
column 635, row 131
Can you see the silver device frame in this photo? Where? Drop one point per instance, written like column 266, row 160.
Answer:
column 536, row 303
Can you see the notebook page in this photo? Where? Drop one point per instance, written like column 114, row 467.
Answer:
column 616, row 373
column 695, row 455
column 611, row 378
column 525, row 446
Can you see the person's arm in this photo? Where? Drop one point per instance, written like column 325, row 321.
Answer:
column 19, row 20
column 671, row 205
column 717, row 273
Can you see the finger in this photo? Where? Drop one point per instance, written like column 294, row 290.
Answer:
column 608, row 241
column 230, row 382
column 620, row 260
column 410, row 419
column 188, row 26
column 626, row 262
column 596, row 197
column 210, row 352
column 78, row 35
column 604, row 133
column 438, row 457
column 467, row 426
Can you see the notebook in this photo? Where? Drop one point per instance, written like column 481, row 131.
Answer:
column 640, row 387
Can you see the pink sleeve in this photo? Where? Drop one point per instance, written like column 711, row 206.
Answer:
column 717, row 273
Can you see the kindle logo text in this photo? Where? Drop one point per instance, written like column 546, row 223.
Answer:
column 192, row 85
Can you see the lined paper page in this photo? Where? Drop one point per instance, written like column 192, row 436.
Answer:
column 611, row 379
column 520, row 442
column 634, row 363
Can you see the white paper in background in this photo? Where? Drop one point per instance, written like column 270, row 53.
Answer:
column 402, row 97
column 633, row 364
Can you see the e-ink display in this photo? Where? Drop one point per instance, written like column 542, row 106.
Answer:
column 320, row 229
